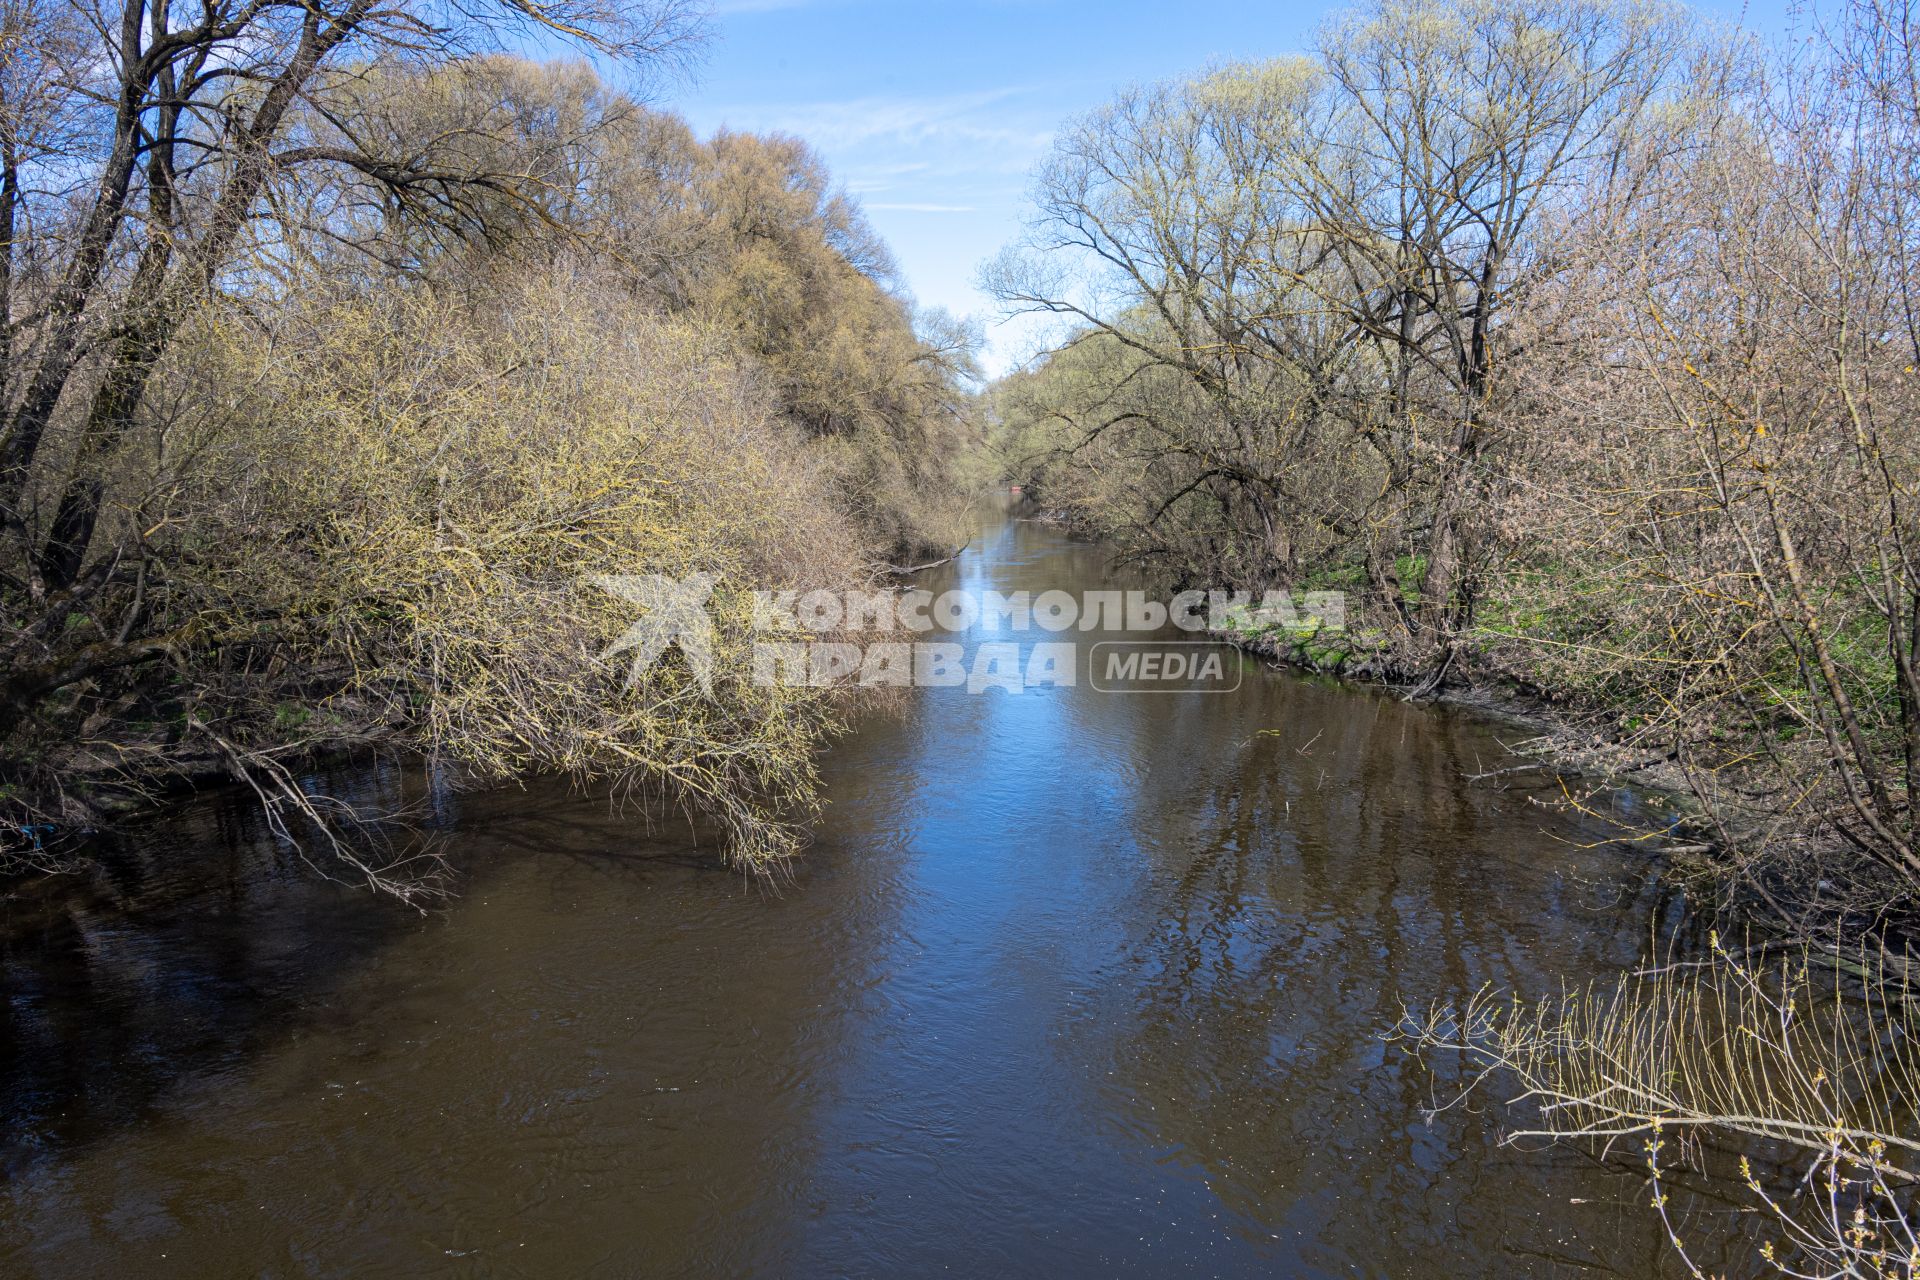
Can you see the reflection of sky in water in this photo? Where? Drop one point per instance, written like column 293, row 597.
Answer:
column 1072, row 983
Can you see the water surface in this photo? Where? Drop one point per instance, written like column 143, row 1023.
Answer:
column 1071, row 984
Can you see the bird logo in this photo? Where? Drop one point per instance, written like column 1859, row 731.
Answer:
column 676, row 613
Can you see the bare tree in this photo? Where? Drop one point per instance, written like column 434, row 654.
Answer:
column 1329, row 248
column 186, row 114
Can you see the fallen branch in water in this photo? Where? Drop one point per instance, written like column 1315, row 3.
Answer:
column 355, row 838
column 908, row 570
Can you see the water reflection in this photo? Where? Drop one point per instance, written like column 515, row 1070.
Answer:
column 1072, row 983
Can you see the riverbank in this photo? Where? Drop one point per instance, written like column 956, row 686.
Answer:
column 1558, row 740
column 1569, row 748
column 1559, row 745
column 1361, row 656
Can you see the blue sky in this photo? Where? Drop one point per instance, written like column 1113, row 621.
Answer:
column 932, row 112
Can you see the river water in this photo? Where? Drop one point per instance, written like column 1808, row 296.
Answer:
column 1071, row 984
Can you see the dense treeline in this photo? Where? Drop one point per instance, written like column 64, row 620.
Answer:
column 342, row 354
column 1577, row 343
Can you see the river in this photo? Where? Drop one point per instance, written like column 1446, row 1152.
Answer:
column 1071, row 983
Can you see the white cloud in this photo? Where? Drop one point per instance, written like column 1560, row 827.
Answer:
column 977, row 119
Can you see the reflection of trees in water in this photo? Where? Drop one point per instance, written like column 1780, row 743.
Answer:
column 1302, row 889
column 603, row 1040
column 186, row 947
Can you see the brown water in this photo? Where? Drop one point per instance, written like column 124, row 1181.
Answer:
column 1072, row 984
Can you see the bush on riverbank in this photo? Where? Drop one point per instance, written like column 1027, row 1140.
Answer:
column 346, row 475
column 432, row 524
